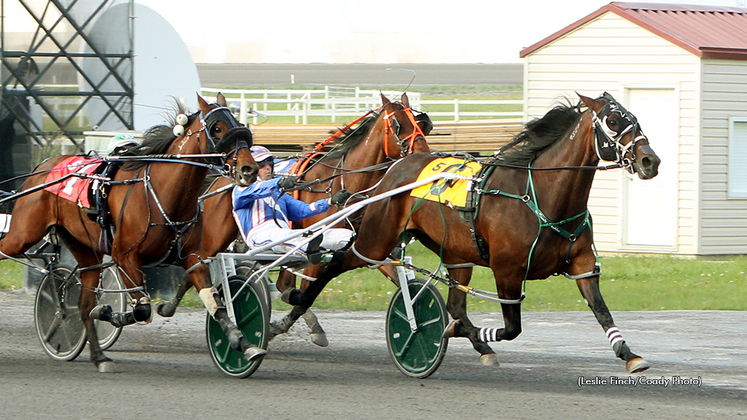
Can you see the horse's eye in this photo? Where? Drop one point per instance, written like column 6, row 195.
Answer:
column 612, row 123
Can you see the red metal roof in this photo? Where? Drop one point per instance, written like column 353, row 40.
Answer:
column 705, row 31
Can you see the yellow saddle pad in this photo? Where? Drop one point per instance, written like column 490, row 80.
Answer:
column 450, row 192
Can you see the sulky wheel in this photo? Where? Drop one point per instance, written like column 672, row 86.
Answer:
column 417, row 354
column 56, row 314
column 261, row 283
column 110, row 280
column 254, row 322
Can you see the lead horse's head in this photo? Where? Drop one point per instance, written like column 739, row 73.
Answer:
column 405, row 129
column 619, row 138
column 226, row 135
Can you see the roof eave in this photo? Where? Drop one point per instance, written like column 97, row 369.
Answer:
column 625, row 14
column 723, row 53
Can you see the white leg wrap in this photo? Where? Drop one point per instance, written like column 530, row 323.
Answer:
column 488, row 334
column 613, row 334
column 207, row 298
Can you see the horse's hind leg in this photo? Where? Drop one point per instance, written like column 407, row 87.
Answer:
column 462, row 326
column 318, row 336
column 341, row 262
column 589, row 288
column 86, row 257
column 167, row 308
column 27, row 229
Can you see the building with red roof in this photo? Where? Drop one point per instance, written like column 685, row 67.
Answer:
column 682, row 70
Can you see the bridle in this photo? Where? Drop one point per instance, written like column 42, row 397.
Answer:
column 209, row 121
column 608, row 145
column 392, row 126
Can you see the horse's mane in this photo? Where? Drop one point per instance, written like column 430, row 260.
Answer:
column 352, row 137
column 157, row 139
column 539, row 134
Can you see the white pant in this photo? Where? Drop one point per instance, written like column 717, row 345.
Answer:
column 268, row 232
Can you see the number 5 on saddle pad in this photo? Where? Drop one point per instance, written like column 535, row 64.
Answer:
column 449, row 192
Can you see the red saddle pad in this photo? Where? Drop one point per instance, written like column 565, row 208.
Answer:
column 75, row 188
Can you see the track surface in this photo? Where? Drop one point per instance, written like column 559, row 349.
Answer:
column 165, row 371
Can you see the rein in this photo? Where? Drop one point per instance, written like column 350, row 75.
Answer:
column 372, row 168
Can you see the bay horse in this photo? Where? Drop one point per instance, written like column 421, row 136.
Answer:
column 532, row 218
column 153, row 204
column 356, row 162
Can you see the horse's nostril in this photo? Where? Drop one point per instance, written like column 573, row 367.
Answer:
column 646, row 162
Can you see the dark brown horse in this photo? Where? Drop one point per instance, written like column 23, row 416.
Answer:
column 356, row 163
column 532, row 219
column 153, row 203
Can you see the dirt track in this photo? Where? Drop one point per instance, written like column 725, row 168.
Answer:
column 165, row 371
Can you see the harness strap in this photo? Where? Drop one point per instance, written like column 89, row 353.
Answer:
column 474, row 197
column 544, row 222
column 374, row 263
column 596, row 272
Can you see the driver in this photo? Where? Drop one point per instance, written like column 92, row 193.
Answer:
column 263, row 212
column 121, row 143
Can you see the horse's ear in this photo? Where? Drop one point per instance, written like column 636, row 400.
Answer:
column 405, row 100
column 384, row 100
column 221, row 99
column 590, row 103
column 203, row 105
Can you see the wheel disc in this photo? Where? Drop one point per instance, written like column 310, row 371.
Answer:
column 253, row 321
column 417, row 354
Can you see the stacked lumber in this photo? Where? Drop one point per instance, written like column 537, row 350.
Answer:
column 477, row 137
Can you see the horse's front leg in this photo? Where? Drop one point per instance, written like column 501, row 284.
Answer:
column 200, row 277
column 589, row 288
column 456, row 304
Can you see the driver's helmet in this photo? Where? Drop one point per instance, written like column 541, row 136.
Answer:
column 120, row 142
column 262, row 155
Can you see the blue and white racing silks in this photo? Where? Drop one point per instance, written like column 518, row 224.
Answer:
column 253, row 206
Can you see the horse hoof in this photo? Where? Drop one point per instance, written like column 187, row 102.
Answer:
column 637, row 365
column 101, row 312
column 292, row 296
column 107, row 367
column 253, row 353
column 275, row 330
column 489, row 359
column 320, row 339
column 449, row 331
column 165, row 309
column 285, row 297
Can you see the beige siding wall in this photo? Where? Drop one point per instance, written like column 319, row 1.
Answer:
column 723, row 227
column 612, row 54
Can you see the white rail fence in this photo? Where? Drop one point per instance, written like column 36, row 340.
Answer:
column 335, row 102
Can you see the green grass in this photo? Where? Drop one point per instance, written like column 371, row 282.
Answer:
column 11, row 275
column 628, row 283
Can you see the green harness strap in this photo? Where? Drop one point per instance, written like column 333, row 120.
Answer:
column 544, row 222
